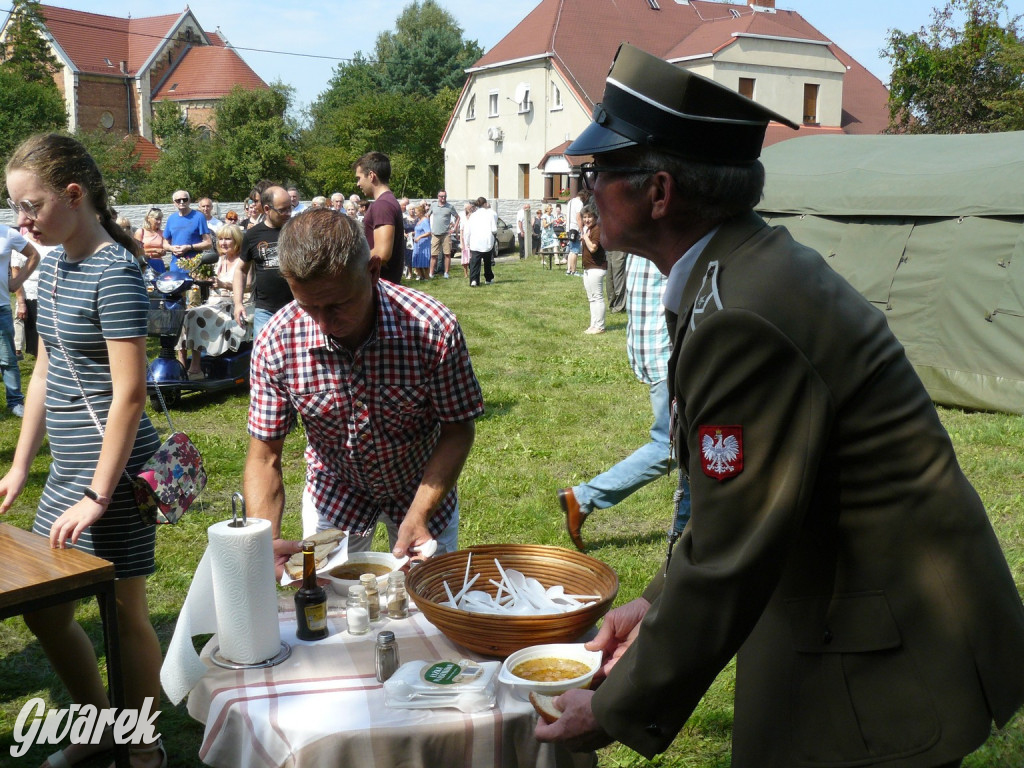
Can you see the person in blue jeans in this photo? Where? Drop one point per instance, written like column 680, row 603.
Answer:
column 11, row 239
column 648, row 347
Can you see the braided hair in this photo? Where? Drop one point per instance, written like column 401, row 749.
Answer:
column 59, row 160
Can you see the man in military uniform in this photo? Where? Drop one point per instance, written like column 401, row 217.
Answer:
column 834, row 543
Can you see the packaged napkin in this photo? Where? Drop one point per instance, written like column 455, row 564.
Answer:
column 466, row 685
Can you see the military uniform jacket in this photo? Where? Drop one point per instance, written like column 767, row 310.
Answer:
column 834, row 542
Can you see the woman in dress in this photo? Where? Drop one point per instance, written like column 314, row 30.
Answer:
column 463, row 240
column 151, row 236
column 209, row 326
column 92, row 320
column 547, row 232
column 421, row 244
column 595, row 267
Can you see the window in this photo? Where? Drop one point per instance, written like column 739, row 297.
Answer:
column 494, row 180
column 471, row 108
column 525, row 105
column 747, row 87
column 556, row 97
column 492, row 104
column 524, row 180
column 811, row 103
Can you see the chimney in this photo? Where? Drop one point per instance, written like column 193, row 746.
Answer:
column 762, row 3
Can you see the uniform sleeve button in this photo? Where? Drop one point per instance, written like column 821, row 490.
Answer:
column 827, row 637
column 653, row 729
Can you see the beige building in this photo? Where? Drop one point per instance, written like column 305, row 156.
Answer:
column 531, row 94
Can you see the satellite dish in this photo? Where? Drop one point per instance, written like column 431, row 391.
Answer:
column 521, row 90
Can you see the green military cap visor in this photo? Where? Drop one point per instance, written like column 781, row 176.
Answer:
column 651, row 103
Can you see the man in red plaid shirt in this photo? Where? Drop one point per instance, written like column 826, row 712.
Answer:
column 381, row 376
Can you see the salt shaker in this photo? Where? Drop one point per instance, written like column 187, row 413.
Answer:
column 355, row 610
column 397, row 597
column 386, row 656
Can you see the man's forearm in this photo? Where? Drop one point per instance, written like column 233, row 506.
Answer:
column 443, row 469
column 262, row 485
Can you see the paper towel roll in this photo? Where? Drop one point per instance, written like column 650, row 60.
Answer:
column 244, row 591
column 233, row 593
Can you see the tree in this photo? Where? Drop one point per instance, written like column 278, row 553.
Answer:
column 253, row 139
column 118, row 161
column 185, row 157
column 947, row 79
column 398, row 104
column 25, row 50
column 27, row 108
column 426, row 53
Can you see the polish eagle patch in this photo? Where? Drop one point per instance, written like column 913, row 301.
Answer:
column 721, row 451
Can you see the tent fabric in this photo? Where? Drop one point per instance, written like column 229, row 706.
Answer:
column 962, row 175
column 938, row 247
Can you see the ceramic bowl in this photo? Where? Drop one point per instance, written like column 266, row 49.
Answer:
column 376, row 558
column 521, row 688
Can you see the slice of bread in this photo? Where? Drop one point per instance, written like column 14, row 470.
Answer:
column 325, row 542
column 545, row 706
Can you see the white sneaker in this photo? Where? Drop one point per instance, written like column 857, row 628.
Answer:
column 445, row 275
column 489, row 282
column 474, row 284
column 19, row 411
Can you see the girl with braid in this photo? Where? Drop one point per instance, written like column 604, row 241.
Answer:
column 92, row 320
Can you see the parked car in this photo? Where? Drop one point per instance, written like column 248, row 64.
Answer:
column 506, row 237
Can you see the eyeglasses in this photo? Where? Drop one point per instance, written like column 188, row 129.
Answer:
column 283, row 209
column 25, row 206
column 181, row 199
column 589, row 172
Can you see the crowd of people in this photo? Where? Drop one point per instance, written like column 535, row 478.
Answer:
column 824, row 531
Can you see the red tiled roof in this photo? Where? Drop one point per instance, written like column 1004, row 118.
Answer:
column 207, row 72
column 89, row 38
column 583, row 36
column 145, row 149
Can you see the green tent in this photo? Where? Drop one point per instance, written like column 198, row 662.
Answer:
column 931, row 230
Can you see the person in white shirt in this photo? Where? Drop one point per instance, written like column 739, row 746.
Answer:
column 11, row 240
column 480, row 229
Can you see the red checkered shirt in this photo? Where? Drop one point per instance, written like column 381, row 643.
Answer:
column 372, row 417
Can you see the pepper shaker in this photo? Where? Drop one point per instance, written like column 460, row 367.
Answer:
column 386, row 655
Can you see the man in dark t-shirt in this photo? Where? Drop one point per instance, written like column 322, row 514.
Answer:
column 383, row 223
column 259, row 251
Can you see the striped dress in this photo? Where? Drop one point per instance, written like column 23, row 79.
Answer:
column 101, row 297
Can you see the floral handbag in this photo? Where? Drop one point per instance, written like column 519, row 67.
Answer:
column 170, row 481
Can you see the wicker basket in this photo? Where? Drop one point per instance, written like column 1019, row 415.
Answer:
column 501, row 635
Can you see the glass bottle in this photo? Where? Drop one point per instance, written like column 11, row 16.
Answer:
column 310, row 599
column 355, row 611
column 369, row 582
column 397, row 597
column 386, row 656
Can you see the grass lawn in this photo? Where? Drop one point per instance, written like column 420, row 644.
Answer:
column 561, row 407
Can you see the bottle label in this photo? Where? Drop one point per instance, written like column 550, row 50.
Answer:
column 316, row 616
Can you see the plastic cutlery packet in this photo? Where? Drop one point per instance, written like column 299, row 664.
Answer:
column 468, row 686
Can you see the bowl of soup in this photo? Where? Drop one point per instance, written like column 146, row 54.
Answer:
column 344, row 575
column 550, row 669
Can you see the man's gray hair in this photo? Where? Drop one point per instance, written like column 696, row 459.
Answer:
column 713, row 192
column 321, row 243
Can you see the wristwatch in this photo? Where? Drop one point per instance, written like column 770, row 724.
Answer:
column 89, row 493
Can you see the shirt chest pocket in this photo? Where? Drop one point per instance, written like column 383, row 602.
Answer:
column 402, row 407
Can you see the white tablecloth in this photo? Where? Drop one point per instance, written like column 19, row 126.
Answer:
column 324, row 707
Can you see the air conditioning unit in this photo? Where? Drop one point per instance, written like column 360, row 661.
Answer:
column 495, row 134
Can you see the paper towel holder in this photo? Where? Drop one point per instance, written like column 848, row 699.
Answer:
column 218, row 658
column 237, row 500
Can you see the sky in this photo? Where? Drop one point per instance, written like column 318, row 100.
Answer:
column 325, row 32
